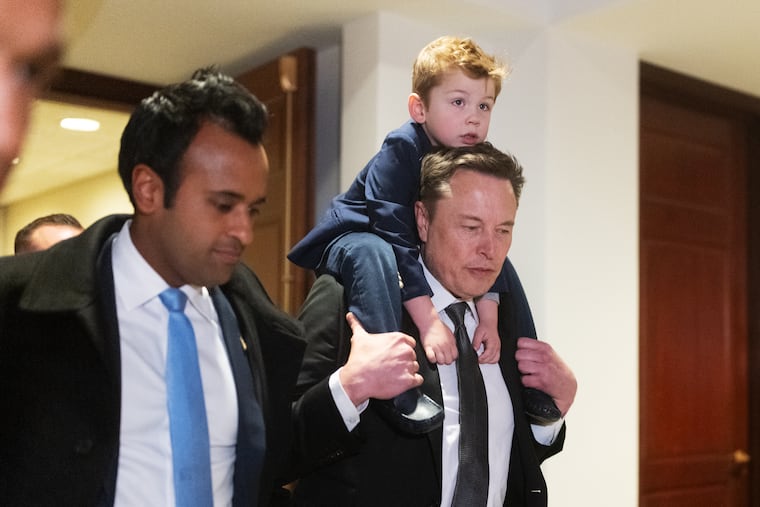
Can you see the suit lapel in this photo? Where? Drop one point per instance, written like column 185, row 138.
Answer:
column 237, row 345
column 431, row 385
column 251, row 441
column 76, row 276
column 107, row 340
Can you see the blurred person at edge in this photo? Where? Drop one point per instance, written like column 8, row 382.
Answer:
column 31, row 42
column 33, row 34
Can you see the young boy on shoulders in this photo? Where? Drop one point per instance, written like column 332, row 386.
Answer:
column 367, row 239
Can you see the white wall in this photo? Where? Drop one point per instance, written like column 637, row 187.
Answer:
column 327, row 131
column 591, row 280
column 378, row 52
column 569, row 111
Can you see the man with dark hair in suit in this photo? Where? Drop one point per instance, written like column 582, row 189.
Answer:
column 488, row 452
column 141, row 363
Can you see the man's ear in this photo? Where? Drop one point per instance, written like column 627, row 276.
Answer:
column 423, row 220
column 147, row 190
column 416, row 108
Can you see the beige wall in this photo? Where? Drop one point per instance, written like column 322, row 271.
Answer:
column 87, row 200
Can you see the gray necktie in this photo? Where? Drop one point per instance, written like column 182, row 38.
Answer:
column 472, row 477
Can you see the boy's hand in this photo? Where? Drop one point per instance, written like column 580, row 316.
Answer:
column 488, row 336
column 487, row 332
column 438, row 343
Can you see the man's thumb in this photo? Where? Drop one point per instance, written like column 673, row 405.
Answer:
column 354, row 324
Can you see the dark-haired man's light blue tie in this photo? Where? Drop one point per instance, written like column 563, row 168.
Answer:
column 187, row 409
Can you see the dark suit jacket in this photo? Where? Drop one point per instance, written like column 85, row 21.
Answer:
column 60, row 375
column 375, row 465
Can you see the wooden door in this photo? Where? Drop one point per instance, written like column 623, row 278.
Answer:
column 286, row 85
column 693, row 304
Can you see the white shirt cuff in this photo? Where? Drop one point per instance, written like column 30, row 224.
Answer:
column 348, row 411
column 546, row 435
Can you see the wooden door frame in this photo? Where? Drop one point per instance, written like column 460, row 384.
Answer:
column 292, row 75
column 97, row 90
column 753, row 305
column 680, row 89
column 76, row 85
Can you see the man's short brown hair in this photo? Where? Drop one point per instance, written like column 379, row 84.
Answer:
column 439, row 166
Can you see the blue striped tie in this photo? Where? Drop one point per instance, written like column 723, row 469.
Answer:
column 187, row 408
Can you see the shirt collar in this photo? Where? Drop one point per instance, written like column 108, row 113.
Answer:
column 441, row 296
column 136, row 282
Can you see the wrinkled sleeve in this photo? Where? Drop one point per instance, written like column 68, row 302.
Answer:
column 392, row 188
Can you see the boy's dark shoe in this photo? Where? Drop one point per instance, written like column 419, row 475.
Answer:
column 540, row 407
column 412, row 412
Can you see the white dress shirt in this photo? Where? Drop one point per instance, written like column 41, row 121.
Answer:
column 500, row 413
column 145, row 475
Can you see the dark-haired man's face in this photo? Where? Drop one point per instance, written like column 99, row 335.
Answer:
column 29, row 50
column 201, row 237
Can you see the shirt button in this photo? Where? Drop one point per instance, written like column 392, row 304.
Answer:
column 83, row 446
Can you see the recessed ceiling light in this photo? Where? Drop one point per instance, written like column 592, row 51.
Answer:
column 80, row 124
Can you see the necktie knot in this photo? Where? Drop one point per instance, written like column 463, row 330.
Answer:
column 456, row 312
column 174, row 299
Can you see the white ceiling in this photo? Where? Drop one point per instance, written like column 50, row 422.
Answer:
column 163, row 41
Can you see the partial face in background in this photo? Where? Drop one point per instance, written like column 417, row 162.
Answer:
column 201, row 237
column 30, row 46
column 466, row 236
column 458, row 110
column 48, row 235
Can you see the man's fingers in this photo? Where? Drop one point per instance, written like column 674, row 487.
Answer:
column 530, row 343
column 452, row 355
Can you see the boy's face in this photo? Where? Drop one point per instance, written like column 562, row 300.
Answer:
column 458, row 110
